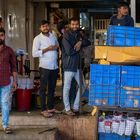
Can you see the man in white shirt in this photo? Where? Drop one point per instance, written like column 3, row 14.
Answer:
column 45, row 47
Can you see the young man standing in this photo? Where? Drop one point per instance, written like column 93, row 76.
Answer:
column 45, row 47
column 71, row 44
column 122, row 18
column 7, row 65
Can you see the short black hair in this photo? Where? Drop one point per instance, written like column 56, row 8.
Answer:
column 61, row 25
column 122, row 4
column 2, row 30
column 44, row 22
column 73, row 19
column 2, row 42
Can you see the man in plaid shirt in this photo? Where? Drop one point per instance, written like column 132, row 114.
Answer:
column 7, row 68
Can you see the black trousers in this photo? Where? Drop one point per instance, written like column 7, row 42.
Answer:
column 48, row 80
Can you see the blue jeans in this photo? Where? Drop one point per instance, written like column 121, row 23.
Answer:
column 10, row 98
column 5, row 92
column 68, row 76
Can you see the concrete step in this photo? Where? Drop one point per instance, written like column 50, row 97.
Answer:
column 31, row 134
column 81, row 127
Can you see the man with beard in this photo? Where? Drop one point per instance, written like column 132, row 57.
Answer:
column 122, row 18
column 7, row 66
column 45, row 47
column 72, row 43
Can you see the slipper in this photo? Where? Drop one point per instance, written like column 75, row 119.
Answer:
column 8, row 130
column 69, row 113
column 54, row 111
column 46, row 114
column 75, row 111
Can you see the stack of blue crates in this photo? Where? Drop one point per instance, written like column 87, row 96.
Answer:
column 130, row 87
column 111, row 136
column 104, row 85
column 114, row 85
column 123, row 36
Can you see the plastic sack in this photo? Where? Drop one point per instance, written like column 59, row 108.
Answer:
column 129, row 127
column 121, row 129
column 115, row 126
column 101, row 126
column 138, row 127
column 108, row 124
column 117, row 117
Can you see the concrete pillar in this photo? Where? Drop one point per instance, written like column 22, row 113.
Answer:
column 133, row 9
column 30, row 30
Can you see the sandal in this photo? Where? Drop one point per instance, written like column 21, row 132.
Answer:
column 54, row 111
column 8, row 130
column 75, row 111
column 46, row 114
column 69, row 113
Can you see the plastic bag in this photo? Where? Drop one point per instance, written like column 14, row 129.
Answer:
column 101, row 126
column 108, row 124
column 115, row 126
column 129, row 127
column 121, row 129
column 138, row 127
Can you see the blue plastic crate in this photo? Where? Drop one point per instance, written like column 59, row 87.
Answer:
column 124, row 137
column 106, row 136
column 130, row 76
column 123, row 36
column 129, row 98
column 104, row 74
column 111, row 136
column 137, row 138
column 104, row 95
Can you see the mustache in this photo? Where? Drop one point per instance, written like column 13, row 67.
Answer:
column 45, row 33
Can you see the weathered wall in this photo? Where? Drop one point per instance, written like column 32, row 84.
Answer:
column 15, row 23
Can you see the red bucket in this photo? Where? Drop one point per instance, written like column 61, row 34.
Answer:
column 23, row 99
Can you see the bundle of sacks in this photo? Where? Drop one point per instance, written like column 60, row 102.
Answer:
column 119, row 124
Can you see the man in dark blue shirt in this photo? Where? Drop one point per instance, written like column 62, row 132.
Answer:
column 122, row 18
column 72, row 42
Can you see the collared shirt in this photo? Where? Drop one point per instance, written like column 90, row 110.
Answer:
column 7, row 65
column 47, row 60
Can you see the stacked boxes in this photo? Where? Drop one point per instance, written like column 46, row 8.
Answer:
column 114, row 85
column 104, row 81
column 123, row 36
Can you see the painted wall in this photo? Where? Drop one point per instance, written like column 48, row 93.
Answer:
column 13, row 13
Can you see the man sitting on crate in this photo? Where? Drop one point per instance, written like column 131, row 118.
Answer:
column 122, row 18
